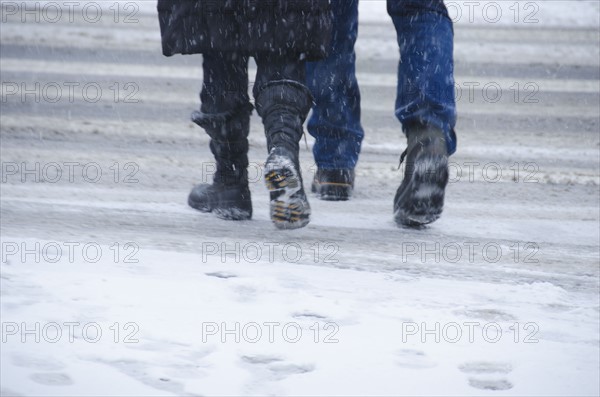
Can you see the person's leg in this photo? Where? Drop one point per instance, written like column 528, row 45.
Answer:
column 225, row 116
column 335, row 121
column 425, row 93
column 425, row 106
column 283, row 102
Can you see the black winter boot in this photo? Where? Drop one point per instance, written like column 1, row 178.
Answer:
column 228, row 196
column 420, row 198
column 283, row 106
column 333, row 184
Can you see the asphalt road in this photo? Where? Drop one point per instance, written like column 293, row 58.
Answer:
column 97, row 145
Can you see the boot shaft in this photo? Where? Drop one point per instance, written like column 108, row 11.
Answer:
column 228, row 144
column 283, row 106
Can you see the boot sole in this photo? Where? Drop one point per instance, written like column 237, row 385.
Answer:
column 287, row 212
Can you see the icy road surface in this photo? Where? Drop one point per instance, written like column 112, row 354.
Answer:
column 111, row 285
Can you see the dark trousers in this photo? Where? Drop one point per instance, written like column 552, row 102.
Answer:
column 225, row 86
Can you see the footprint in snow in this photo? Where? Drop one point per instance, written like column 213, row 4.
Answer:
column 309, row 315
column 261, row 359
column 411, row 358
column 487, row 375
column 485, row 367
column 275, row 367
column 487, row 314
column 308, row 319
column 51, row 379
column 224, row 275
column 246, row 293
column 490, row 384
column 141, row 371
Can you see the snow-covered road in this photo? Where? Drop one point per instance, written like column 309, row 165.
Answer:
column 111, row 285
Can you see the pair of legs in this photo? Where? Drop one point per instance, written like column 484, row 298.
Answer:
column 425, row 105
column 283, row 101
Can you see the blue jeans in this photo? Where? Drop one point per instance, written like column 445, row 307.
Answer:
column 335, row 121
column 425, row 90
